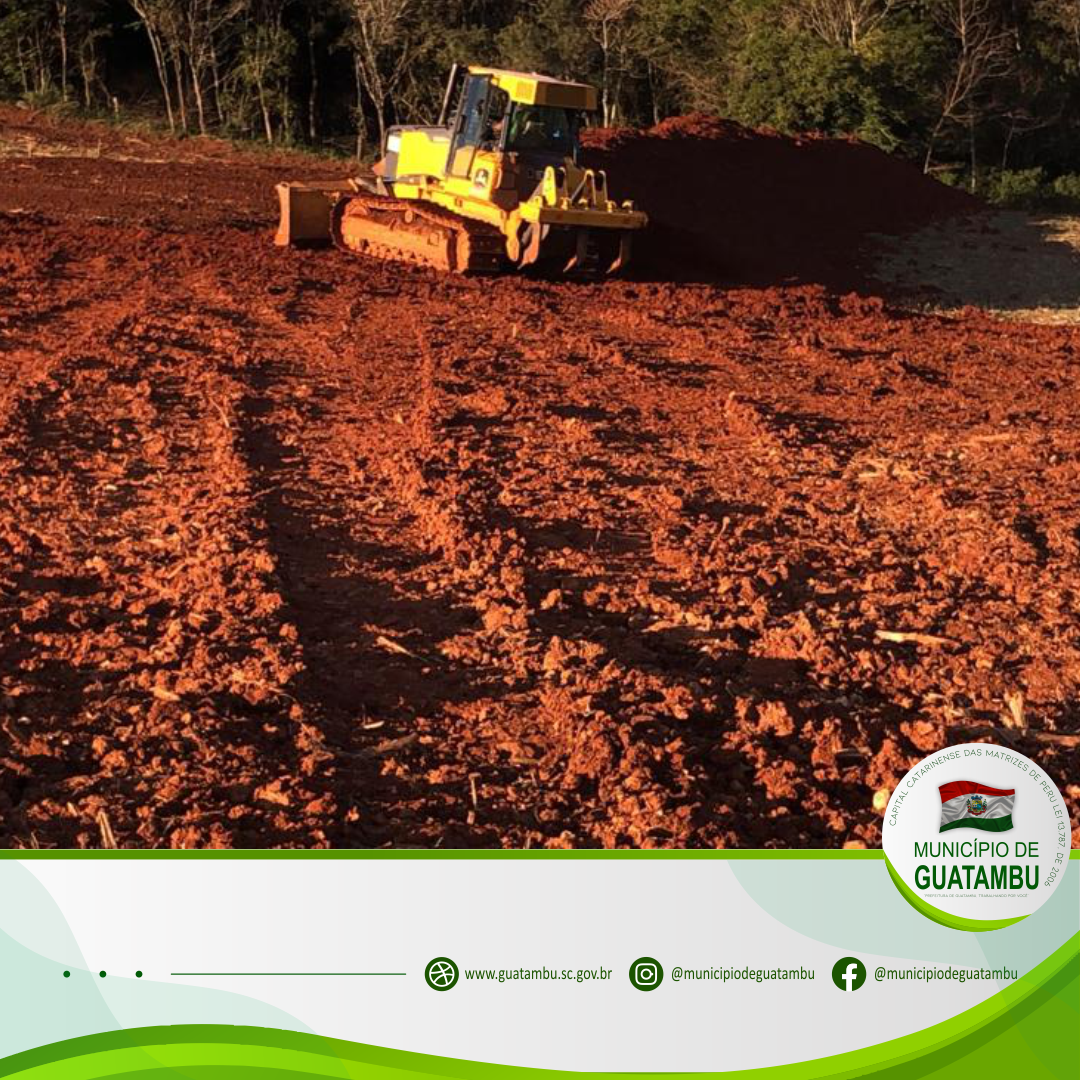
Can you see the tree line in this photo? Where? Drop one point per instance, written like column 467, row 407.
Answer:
column 959, row 84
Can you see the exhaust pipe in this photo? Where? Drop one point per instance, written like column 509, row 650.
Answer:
column 444, row 112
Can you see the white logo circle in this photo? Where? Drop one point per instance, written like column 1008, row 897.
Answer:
column 976, row 834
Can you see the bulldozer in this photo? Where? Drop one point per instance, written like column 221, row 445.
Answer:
column 495, row 185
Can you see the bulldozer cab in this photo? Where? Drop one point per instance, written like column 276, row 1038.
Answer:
column 508, row 111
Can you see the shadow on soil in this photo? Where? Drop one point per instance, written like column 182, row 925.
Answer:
column 373, row 665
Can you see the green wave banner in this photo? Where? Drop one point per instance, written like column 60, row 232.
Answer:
column 1029, row 1029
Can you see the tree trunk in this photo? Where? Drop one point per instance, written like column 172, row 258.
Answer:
column 605, row 101
column 380, row 114
column 973, row 183
column 87, row 66
column 1008, row 144
column 196, row 50
column 200, row 105
column 23, row 75
column 42, row 73
column 268, row 127
column 181, row 97
column 930, row 145
column 359, row 110
column 313, row 90
column 215, row 89
column 163, row 75
column 616, row 95
column 61, row 27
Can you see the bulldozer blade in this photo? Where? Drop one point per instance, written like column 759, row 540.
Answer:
column 622, row 259
column 305, row 210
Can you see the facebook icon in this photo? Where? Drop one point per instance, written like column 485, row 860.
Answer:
column 849, row 973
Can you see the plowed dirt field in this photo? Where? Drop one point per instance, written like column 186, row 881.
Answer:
column 298, row 548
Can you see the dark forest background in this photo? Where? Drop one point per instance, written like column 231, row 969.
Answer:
column 982, row 92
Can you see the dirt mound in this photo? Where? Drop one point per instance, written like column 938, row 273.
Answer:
column 759, row 207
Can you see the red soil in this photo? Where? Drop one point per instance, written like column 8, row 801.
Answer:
column 298, row 548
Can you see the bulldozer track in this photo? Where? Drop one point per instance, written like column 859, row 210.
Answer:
column 416, row 232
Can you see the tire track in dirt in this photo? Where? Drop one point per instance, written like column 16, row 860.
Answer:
column 153, row 661
column 350, row 574
column 618, row 695
column 501, row 753
column 48, row 296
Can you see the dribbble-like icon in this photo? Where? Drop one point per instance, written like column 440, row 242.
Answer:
column 441, row 973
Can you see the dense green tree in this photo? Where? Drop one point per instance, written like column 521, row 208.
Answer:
column 681, row 50
column 28, row 46
column 550, row 36
column 783, row 74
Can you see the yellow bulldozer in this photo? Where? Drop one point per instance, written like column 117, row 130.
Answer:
column 495, row 185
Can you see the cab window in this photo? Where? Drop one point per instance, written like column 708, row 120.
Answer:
column 498, row 104
column 542, row 127
column 471, row 121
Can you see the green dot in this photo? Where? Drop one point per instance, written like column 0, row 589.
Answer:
column 67, row 974
column 138, row 974
column 101, row 974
